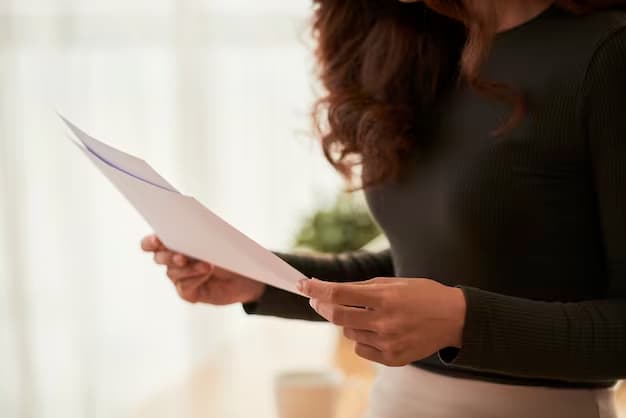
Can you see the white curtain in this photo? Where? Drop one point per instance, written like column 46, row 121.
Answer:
column 216, row 95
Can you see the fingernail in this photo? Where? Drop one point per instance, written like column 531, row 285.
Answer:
column 313, row 303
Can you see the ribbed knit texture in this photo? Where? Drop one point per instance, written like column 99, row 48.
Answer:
column 532, row 227
column 349, row 267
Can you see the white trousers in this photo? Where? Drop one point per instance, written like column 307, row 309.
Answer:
column 410, row 392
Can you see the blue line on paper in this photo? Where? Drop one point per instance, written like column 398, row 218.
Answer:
column 127, row 172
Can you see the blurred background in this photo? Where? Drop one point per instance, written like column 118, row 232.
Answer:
column 216, row 95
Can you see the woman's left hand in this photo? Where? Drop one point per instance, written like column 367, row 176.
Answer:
column 394, row 321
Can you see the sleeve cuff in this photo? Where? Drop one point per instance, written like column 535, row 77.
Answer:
column 270, row 300
column 476, row 319
column 283, row 304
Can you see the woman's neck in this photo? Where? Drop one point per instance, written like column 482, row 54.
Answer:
column 512, row 13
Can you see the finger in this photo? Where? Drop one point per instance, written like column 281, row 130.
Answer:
column 346, row 316
column 180, row 260
column 364, row 337
column 204, row 288
column 163, row 257
column 189, row 289
column 342, row 293
column 192, row 270
column 369, row 353
column 193, row 281
column 150, row 243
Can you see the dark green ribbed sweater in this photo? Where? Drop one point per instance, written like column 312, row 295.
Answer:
column 532, row 227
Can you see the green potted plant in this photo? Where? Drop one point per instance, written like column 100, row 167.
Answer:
column 346, row 226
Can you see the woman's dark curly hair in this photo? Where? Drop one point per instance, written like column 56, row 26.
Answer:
column 383, row 63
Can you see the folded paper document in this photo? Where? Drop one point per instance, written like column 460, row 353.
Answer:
column 181, row 222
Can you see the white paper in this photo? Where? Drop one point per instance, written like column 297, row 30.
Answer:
column 181, row 222
column 116, row 158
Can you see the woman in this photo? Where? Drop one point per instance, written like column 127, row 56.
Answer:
column 491, row 135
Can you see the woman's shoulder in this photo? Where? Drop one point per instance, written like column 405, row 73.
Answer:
column 609, row 36
column 593, row 40
column 604, row 82
column 600, row 25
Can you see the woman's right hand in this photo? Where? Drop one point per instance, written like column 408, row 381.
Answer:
column 198, row 281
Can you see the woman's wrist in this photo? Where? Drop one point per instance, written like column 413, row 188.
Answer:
column 256, row 294
column 456, row 310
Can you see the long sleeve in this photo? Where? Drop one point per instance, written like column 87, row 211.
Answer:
column 346, row 267
column 568, row 341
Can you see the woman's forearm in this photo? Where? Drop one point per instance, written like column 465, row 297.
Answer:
column 346, row 267
column 552, row 340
